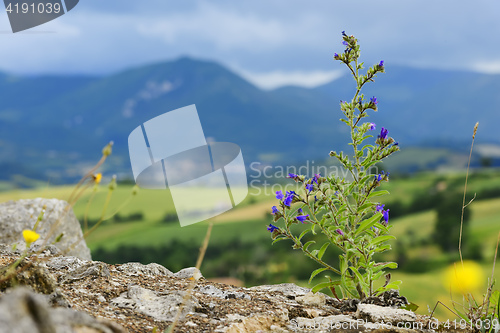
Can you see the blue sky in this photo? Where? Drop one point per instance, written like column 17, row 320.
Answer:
column 270, row 42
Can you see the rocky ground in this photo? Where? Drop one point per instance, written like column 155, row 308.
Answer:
column 52, row 292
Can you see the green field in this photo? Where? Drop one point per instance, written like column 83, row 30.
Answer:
column 248, row 221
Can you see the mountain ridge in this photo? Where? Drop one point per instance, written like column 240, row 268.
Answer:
column 74, row 116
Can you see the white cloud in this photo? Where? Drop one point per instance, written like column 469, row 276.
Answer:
column 274, row 40
column 487, row 67
column 228, row 29
column 276, row 79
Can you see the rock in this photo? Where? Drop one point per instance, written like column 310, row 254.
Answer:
column 23, row 311
column 325, row 324
column 148, row 302
column 15, row 216
column 288, row 289
column 380, row 314
column 140, row 297
column 136, row 269
column 316, row 299
column 91, row 268
column 388, row 298
column 216, row 292
column 187, row 273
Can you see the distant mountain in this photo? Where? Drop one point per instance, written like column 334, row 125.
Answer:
column 57, row 125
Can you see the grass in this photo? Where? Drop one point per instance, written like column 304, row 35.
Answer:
column 428, row 288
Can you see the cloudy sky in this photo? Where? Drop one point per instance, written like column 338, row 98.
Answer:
column 270, row 42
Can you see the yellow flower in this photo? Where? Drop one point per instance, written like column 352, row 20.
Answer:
column 30, row 236
column 97, row 178
column 464, row 279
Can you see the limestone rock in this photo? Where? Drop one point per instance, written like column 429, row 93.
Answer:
column 160, row 307
column 380, row 314
column 15, row 216
column 317, row 299
column 191, row 272
column 136, row 269
column 288, row 289
column 140, row 297
column 224, row 294
column 23, row 311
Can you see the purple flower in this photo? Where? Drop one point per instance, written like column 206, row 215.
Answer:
column 381, row 64
column 302, row 218
column 374, row 100
column 344, row 34
column 345, row 43
column 271, row 228
column 335, row 55
column 379, row 177
column 383, row 133
column 396, row 144
column 292, row 175
column 275, row 210
column 289, row 198
column 360, row 101
column 309, row 187
column 316, row 177
column 372, row 126
column 340, row 232
column 279, row 195
column 385, row 214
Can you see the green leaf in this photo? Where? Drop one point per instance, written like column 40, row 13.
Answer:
column 368, row 223
column 303, row 233
column 320, row 286
column 278, row 239
column 316, row 272
column 342, row 264
column 356, row 272
column 393, row 285
column 322, row 250
column 348, row 286
column 365, row 206
column 365, row 179
column 377, row 275
column 495, row 302
column 382, row 227
column 378, row 193
column 342, row 209
column 306, row 245
column 384, row 265
column 381, row 239
column 461, row 315
column 498, row 307
column 383, row 248
column 411, row 307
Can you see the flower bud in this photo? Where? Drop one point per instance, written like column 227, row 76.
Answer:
column 112, row 184
column 106, row 151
